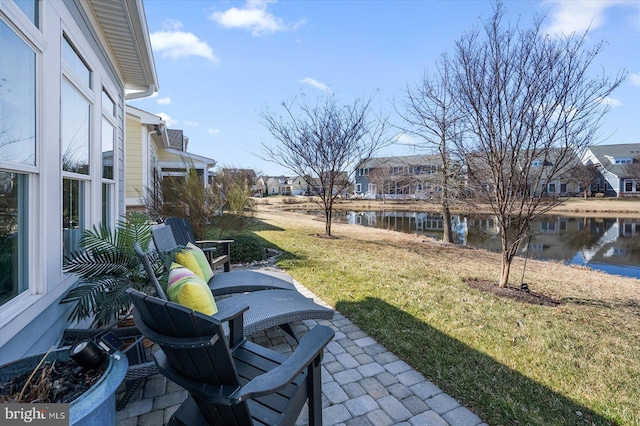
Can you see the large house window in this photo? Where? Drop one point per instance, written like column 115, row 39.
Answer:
column 17, row 99
column 13, row 235
column 75, row 119
column 17, row 158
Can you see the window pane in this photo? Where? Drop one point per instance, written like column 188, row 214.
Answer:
column 72, row 214
column 73, row 59
column 13, row 235
column 107, row 193
column 30, row 8
column 17, row 99
column 108, row 106
column 75, row 131
column 108, row 133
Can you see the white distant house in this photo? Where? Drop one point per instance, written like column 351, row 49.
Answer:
column 66, row 70
column 616, row 177
column 281, row 185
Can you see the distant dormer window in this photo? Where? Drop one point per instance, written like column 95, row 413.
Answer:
column 536, row 163
column 623, row 160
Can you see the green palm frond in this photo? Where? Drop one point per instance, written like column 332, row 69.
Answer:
column 106, row 266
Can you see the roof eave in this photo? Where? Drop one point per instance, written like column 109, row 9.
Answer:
column 124, row 25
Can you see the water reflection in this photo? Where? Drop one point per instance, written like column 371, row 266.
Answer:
column 608, row 244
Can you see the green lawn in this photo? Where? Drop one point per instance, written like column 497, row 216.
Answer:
column 510, row 362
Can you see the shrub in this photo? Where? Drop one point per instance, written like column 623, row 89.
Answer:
column 246, row 248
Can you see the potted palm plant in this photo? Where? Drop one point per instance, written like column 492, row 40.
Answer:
column 106, row 266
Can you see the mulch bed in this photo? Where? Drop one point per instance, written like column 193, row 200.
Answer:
column 514, row 293
column 54, row 382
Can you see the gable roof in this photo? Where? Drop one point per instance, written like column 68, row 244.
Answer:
column 177, row 139
column 407, row 160
column 604, row 152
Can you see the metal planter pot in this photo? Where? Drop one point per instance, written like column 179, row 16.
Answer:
column 97, row 406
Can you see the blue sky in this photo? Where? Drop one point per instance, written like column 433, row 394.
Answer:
column 220, row 63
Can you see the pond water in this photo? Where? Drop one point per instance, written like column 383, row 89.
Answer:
column 611, row 245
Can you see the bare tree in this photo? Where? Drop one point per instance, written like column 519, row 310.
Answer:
column 584, row 175
column 431, row 114
column 322, row 141
column 532, row 108
column 186, row 196
column 632, row 169
column 235, row 186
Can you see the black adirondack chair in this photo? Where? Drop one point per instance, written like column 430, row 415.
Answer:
column 238, row 281
column 231, row 381
column 183, row 234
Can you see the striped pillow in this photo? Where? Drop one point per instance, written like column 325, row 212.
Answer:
column 193, row 258
column 188, row 289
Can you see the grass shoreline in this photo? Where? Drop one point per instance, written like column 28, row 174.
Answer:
column 605, row 207
column 512, row 363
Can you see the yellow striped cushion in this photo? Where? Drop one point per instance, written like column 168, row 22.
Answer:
column 193, row 258
column 188, row 289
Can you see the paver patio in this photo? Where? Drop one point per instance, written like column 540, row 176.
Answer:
column 363, row 383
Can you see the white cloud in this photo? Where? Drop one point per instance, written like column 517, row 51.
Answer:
column 176, row 44
column 634, row 78
column 253, row 16
column 213, row 131
column 167, row 119
column 189, row 123
column 315, row 83
column 172, row 25
column 612, row 102
column 578, row 16
column 163, row 101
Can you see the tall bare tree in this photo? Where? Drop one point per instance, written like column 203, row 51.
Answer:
column 432, row 114
column 532, row 108
column 323, row 140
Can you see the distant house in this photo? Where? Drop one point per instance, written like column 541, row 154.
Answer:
column 413, row 176
column 175, row 160
column 146, row 136
column 66, row 70
column 155, row 155
column 550, row 175
column 341, row 185
column 616, row 164
column 281, row 185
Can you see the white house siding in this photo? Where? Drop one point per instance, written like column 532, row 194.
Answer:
column 33, row 320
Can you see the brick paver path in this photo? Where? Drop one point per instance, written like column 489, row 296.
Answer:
column 362, row 384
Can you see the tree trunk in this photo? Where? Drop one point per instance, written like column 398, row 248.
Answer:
column 448, row 233
column 504, row 270
column 327, row 223
column 446, row 215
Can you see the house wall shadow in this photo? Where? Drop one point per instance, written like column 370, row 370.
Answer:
column 491, row 389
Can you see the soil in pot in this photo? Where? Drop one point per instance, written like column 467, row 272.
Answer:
column 53, row 382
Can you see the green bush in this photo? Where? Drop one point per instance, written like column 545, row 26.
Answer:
column 246, row 248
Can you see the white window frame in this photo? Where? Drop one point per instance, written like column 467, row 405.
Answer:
column 12, row 16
